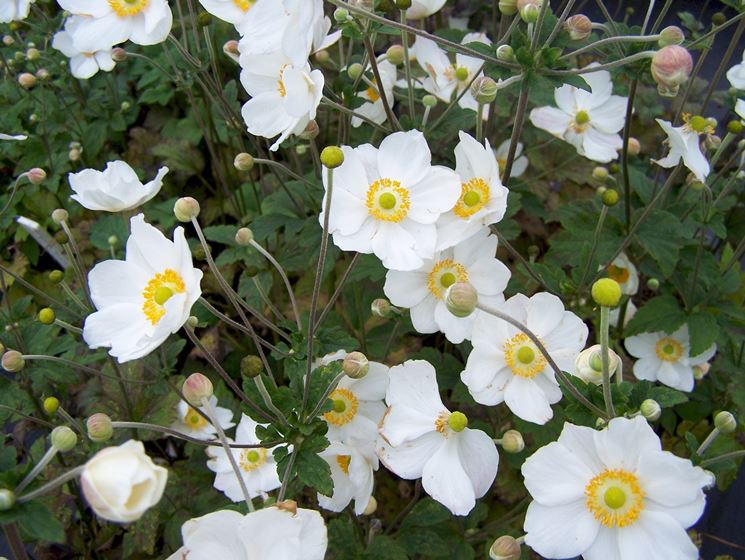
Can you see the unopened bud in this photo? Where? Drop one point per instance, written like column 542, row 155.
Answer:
column 381, row 307
column 61, row 237
column 74, row 154
column 43, row 74
column 13, row 361
column 192, row 322
column 341, row 15
column 461, row 299
column 651, row 410
column 36, row 175
column 512, row 441
column 204, row 19
column 484, row 90
column 33, row 54
column 718, row 18
column 51, row 405
column 27, row 80
column 429, row 101
column 606, row 292
column 372, row 506
column 610, row 197
column 355, row 365
column 505, row 53
column 312, row 130
column 395, row 55
column 112, row 240
column 185, row 209
column 7, row 499
column 332, row 157
column 243, row 162
column 244, row 236
column 508, row 7
column 56, row 276
column 46, row 316
column 653, row 284
column 634, row 147
column 403, row 4
column 354, row 71
column 60, row 215
column 196, row 388
column 671, row 35
column 63, row 438
column 505, row 548
column 671, row 67
column 322, row 56
column 99, row 427
column 8, row 40
column 530, row 13
column 700, row 371
column 725, row 422
column 251, row 366
column 588, row 365
column 600, row 174
column 734, row 127
column 579, row 27
column 118, row 54
column 125, row 106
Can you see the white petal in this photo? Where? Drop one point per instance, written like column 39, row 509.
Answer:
column 561, row 531
column 554, row 475
column 446, row 481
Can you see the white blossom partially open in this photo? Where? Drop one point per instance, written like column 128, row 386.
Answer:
column 14, row 10
column 373, row 107
column 83, row 65
column 190, row 422
column 684, row 145
column 352, row 472
column 736, row 74
column 115, row 189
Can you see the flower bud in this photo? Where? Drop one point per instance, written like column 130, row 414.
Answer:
column 43, row 74
column 244, row 236
column 8, row 40
column 7, row 499
column 372, row 505
column 204, row 19
column 51, row 405
column 60, row 215
column 579, row 27
column 382, row 308
column 74, row 154
column 508, row 7
column 530, row 13
column 700, row 371
column 33, row 54
column 725, row 422
column 671, row 35
column 588, row 365
column 322, row 56
column 332, row 157
column 341, row 15
column 27, row 80
column 505, row 548
column 512, row 441
column 671, row 67
column 651, row 410
column 61, row 237
column 192, row 322
column 46, row 316
column 99, row 427
column 606, row 292
column 355, row 365
column 505, row 53
column 403, row 4
column 196, row 388
column 484, row 90
column 429, row 101
column 118, row 54
column 63, row 438
column 56, row 276
column 112, row 240
column 36, row 175
column 243, row 162
column 461, row 299
column 354, row 71
column 13, row 361
column 600, row 174
column 653, row 284
column 610, row 197
column 395, row 55
column 251, row 366
column 634, row 147
column 718, row 18
column 186, row 208
column 734, row 127
column 312, row 130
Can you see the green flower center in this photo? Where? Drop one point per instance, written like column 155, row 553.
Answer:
column 461, row 73
column 582, row 117
column 614, row 497
column 163, row 294
column 525, row 355
column 339, row 405
column 387, row 201
column 471, row 198
column 457, row 421
column 698, row 123
column 253, row 456
column 447, row 279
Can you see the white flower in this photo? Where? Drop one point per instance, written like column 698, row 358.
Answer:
column 121, row 483
column 589, row 366
column 423, row 8
column 83, row 65
column 16, row 137
column 612, row 494
column 483, row 198
column 422, row 438
column 110, row 22
column 284, row 98
column 666, row 357
column 615, row 314
column 193, row 424
column 373, row 107
column 386, row 201
column 140, row 301
column 588, row 121
column 14, row 10
column 273, row 532
column 684, row 144
column 423, row 290
column 257, row 465
column 519, row 165
column 506, row 366
column 115, row 189
column 736, row 74
column 352, row 472
column 740, row 108
column 623, row 271
column 445, row 78
column 232, row 11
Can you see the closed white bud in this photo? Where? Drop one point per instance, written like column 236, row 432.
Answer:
column 60, row 215
column 579, row 27
column 651, row 410
column 244, row 236
column 725, row 422
column 197, row 387
column 589, row 365
column 186, row 208
column 7, row 499
column 505, row 548
column 355, row 365
column 512, row 441
column 99, row 427
column 63, row 438
column 243, row 162
column 461, row 299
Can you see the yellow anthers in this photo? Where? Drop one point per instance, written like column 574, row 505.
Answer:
column 441, row 422
column 343, row 462
column 160, row 289
column 443, row 275
column 194, row 420
column 619, row 274
column 387, row 200
column 615, row 498
column 252, row 459
column 127, row 8
column 474, row 195
column 698, row 124
column 345, row 409
column 244, row 5
column 523, row 357
column 280, row 83
column 372, row 94
column 668, row 349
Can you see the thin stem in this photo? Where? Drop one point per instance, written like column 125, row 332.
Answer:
column 647, row 17
column 284, row 169
column 661, row 15
column 605, row 360
column 607, row 66
column 723, row 65
column 522, row 105
column 179, row 435
column 325, row 396
column 337, row 291
column 286, row 477
column 716, row 30
column 721, row 458
column 539, row 26
column 268, row 400
column 67, row 326
column 15, row 541
column 707, row 442
column 59, row 481
column 560, row 24
column 268, row 256
column 81, row 367
column 78, row 257
column 516, row 255
column 625, row 153
column 480, row 123
column 38, row 467
column 35, row 290
column 268, row 302
column 593, row 248
column 360, row 116
column 379, row 81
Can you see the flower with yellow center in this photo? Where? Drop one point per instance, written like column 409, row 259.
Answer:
column 506, row 366
column 373, row 107
column 159, row 289
column 345, row 407
column 612, row 494
column 666, row 357
column 128, row 8
column 387, row 200
column 352, row 468
column 194, row 423
column 623, row 271
column 84, row 65
column 232, row 11
column 519, row 164
column 252, row 459
column 685, row 145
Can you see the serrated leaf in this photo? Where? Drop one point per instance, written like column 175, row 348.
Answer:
column 703, row 331
column 662, row 313
column 662, row 235
column 666, row 397
column 385, row 548
column 314, row 472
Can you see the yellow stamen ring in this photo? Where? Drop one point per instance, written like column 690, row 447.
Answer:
column 615, row 498
column 158, row 291
column 345, row 409
column 523, row 357
column 387, row 200
column 443, row 275
column 474, row 195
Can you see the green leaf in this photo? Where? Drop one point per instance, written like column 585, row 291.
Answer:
column 384, row 548
column 38, row 522
column 662, row 235
column 666, row 397
column 703, row 331
column 7, row 458
column 314, row 472
column 662, row 313
column 425, row 513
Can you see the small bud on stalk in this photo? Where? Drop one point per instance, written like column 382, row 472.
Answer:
column 43, row 74
column 51, row 405
column 355, row 365
column 204, row 19
column 403, row 4
column 671, row 67
column 46, row 316
column 461, row 299
column 508, row 7
column 243, row 162
column 60, row 215
column 382, row 308
column 322, row 56
column 653, row 284
column 7, row 499
column 197, row 387
column 99, row 427
column 725, row 422
column 429, row 101
column 186, row 208
column 600, row 174
column 606, row 292
column 610, row 197
column 505, row 53
column 341, row 15
column 244, row 236
column 118, row 54
column 505, row 548
column 36, row 175
column 13, row 361
column 530, row 13
column 354, row 71
column 589, row 367
column 512, row 441
column 579, row 27
column 251, row 366
column 332, row 157
column 64, row 439
column 112, row 240
column 484, row 90
column 56, row 276
column 634, row 146
column 33, row 54
column 734, row 127
column 671, row 35
column 651, row 410
column 395, row 55
column 26, row 80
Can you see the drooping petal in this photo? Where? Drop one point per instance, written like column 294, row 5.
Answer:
column 563, row 531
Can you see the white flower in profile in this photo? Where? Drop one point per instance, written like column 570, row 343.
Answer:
column 110, row 22
column 589, row 121
column 684, row 144
column 14, row 10
column 386, row 201
column 666, row 358
column 483, row 198
column 736, row 74
column 284, row 98
column 352, row 472
column 519, row 165
column 589, row 365
column 445, row 78
column 83, row 65
column 196, row 425
column 615, row 314
column 422, row 438
column 143, row 299
column 257, row 465
column 424, row 8
column 115, row 189
column 740, row 108
column 612, row 494
column 14, row 137
column 506, row 366
column 281, row 531
column 423, row 290
column 373, row 107
column 623, row 271
column 232, row 11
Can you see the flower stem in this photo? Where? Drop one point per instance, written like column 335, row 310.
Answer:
column 43, row 462
column 67, row 326
column 593, row 248
column 286, row 477
column 407, row 66
column 625, row 153
column 517, row 128
column 480, row 123
column 325, row 396
column 59, row 481
column 179, row 435
column 605, row 359
column 379, row 81
column 268, row 400
column 268, row 256
column 725, row 457
column 337, row 291
column 707, row 442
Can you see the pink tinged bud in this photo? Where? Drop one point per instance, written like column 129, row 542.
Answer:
column 99, row 427
column 27, row 80
column 36, row 175
column 196, row 388
column 13, row 361
column 118, row 54
column 671, row 67
column 579, row 27
column 230, row 48
column 186, row 208
column 355, row 365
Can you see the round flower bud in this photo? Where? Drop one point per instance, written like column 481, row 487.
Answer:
column 512, row 441
column 51, row 405
column 372, row 506
column 610, row 197
column 484, row 90
column 332, row 157
column 725, row 422
column 186, row 208
column 13, row 361
column 530, row 13
column 606, row 292
column 671, row 67
column 671, row 35
column 36, row 175
column 382, row 308
column 60, row 215
column 118, row 54
column 32, row 54
column 505, row 548
column 8, row 40
column 355, row 365
column 61, row 237
column 653, row 284
column 243, row 162
column 112, row 240
column 461, row 299
column 27, row 80
column 204, row 19
column 588, row 365
column 46, row 316
column 508, row 7
column 600, row 173
column 322, row 56
column 579, row 27
column 341, row 15
column 457, row 421
column 251, row 366
column 403, row 4
column 718, row 18
column 734, row 127
column 700, row 371
column 244, row 236
column 63, row 438
column 196, row 388
column 125, row 106
column 354, row 71
column 7, row 499
column 395, row 55
column 634, row 147
column 99, row 427
column 192, row 322
column 651, row 410
column 56, row 276
column 505, row 53
column 74, row 154
column 429, row 101
column 43, row 74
